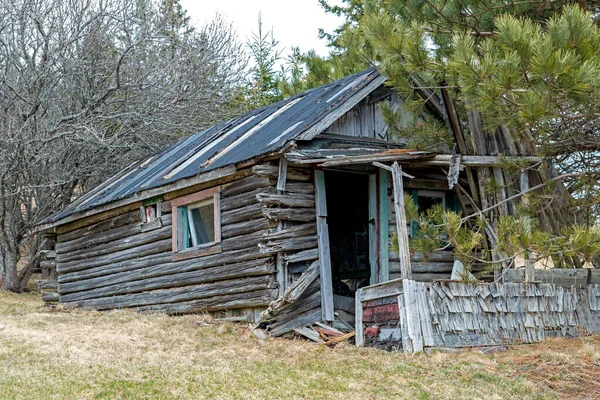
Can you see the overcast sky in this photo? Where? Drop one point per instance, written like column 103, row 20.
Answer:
column 294, row 23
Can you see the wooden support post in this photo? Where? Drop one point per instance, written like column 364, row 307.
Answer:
column 373, row 231
column 282, row 272
column 403, row 249
column 324, row 256
column 529, row 269
column 384, row 232
column 358, row 319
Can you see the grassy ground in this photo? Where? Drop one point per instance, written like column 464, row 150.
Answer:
column 77, row 354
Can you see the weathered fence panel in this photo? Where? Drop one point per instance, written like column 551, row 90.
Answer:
column 454, row 314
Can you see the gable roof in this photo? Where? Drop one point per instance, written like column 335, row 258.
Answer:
column 263, row 131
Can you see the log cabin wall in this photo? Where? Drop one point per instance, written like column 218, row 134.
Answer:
column 294, row 242
column 120, row 262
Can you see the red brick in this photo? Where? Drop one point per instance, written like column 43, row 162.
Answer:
column 372, row 331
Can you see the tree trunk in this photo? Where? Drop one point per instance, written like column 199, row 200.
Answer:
column 11, row 280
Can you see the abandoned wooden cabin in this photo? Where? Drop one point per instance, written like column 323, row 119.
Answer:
column 284, row 211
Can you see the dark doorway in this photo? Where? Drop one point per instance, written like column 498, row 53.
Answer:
column 348, row 221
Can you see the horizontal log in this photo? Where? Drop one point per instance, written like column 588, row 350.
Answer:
column 244, row 199
column 244, row 227
column 288, row 200
column 48, row 264
column 292, row 231
column 50, row 297
column 160, row 278
column 305, row 255
column 438, row 256
column 283, row 245
column 95, row 228
column 48, row 254
column 94, row 239
column 258, row 298
column 244, row 213
column 245, row 185
column 127, row 254
column 164, row 265
column 68, row 259
column 560, row 277
column 290, row 214
column 424, row 267
column 118, row 267
column 246, row 241
column 296, row 187
column 429, row 277
column 272, row 171
column 212, row 289
column 45, row 284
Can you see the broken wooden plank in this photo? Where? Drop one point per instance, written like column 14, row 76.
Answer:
column 341, row 339
column 309, row 334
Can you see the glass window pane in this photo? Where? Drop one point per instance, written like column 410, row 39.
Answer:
column 202, row 223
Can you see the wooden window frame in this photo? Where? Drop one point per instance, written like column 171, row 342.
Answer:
column 157, row 221
column 213, row 247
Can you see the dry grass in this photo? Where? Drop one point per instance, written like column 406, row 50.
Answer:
column 78, row 354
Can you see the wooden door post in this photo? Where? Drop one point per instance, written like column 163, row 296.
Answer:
column 403, row 249
column 324, row 255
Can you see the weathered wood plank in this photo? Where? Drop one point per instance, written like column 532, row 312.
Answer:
column 305, row 255
column 292, row 231
column 282, row 174
column 309, row 333
column 245, row 185
column 324, row 255
column 288, row 200
column 384, row 234
column 424, row 267
column 289, row 244
column 245, row 227
column 300, row 320
column 404, row 251
column 272, row 171
column 290, row 214
column 244, row 199
column 560, row 277
column 358, row 318
column 292, row 294
column 297, row 187
column 244, row 213
column 247, row 241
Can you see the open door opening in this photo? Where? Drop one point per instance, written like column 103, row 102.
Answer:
column 347, row 197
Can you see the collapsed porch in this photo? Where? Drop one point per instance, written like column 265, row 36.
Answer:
column 428, row 178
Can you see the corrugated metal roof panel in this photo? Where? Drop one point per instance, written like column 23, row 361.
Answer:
column 256, row 133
